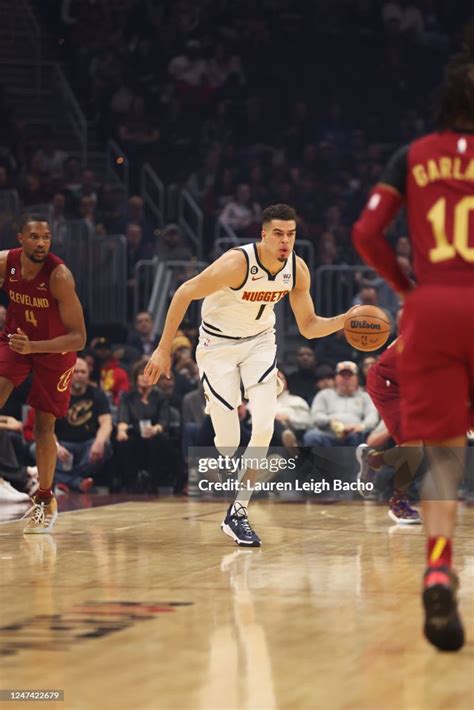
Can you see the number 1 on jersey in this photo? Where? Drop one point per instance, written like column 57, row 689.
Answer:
column 460, row 242
column 260, row 311
column 31, row 318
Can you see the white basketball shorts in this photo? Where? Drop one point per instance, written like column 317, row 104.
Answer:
column 224, row 364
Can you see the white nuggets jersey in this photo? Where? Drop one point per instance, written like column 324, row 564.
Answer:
column 248, row 310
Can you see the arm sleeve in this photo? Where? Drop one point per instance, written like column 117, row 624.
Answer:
column 368, row 233
column 395, row 173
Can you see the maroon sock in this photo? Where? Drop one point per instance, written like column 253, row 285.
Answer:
column 439, row 551
column 44, row 493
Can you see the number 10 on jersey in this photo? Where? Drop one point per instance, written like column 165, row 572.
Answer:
column 459, row 245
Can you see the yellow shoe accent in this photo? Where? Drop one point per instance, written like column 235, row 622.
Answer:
column 41, row 516
column 438, row 548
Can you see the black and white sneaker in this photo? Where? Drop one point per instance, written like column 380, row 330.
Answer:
column 236, row 525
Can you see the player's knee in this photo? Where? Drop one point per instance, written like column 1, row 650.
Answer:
column 226, row 429
column 414, row 456
column 44, row 427
column 261, row 436
column 228, row 443
column 42, row 430
column 448, row 463
column 6, row 388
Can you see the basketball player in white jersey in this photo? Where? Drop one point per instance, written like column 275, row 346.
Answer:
column 237, row 341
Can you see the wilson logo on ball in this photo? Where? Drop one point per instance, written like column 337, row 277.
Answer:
column 364, row 324
column 367, row 328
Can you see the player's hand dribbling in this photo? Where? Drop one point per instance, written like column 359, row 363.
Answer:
column 347, row 314
column 20, row 343
column 158, row 364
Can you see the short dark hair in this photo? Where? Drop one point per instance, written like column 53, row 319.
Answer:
column 144, row 313
column 284, row 212
column 455, row 101
column 28, row 217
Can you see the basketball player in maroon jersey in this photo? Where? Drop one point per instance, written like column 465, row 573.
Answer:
column 434, row 176
column 43, row 331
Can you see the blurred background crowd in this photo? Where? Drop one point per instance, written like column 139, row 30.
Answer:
column 242, row 103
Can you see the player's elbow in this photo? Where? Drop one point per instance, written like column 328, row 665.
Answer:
column 361, row 235
column 305, row 329
column 364, row 241
column 81, row 338
column 189, row 291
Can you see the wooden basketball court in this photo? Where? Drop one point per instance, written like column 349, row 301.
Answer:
column 147, row 606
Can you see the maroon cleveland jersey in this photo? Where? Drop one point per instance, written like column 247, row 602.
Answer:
column 32, row 306
column 435, row 175
column 435, row 360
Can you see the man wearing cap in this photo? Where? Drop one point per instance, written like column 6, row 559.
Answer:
column 342, row 416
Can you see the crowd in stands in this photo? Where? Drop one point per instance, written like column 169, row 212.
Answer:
column 251, row 102
column 127, row 436
column 243, row 103
column 124, row 434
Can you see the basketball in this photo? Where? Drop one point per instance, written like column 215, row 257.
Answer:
column 367, row 328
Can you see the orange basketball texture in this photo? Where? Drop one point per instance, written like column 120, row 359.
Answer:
column 367, row 328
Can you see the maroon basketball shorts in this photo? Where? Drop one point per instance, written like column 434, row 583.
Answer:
column 386, row 397
column 436, row 362
column 52, row 374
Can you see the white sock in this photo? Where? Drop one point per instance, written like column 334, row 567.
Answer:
column 262, row 399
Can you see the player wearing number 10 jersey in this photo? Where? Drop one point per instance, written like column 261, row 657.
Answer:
column 434, row 177
column 43, row 330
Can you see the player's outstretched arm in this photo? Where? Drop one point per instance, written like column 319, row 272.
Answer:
column 63, row 289
column 309, row 323
column 228, row 270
